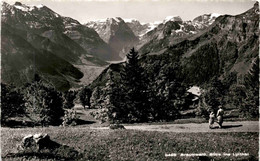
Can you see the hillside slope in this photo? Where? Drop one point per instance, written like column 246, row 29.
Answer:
column 31, row 35
column 21, row 61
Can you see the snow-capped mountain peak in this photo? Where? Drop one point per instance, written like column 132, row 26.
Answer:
column 115, row 32
column 206, row 19
column 214, row 15
column 172, row 18
column 26, row 8
column 153, row 25
column 118, row 19
column 101, row 20
column 129, row 20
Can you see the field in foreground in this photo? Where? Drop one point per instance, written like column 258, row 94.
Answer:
column 132, row 144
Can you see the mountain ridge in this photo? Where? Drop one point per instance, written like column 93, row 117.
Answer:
column 43, row 21
column 226, row 46
column 45, row 32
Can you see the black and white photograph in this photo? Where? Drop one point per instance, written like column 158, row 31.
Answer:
column 129, row 80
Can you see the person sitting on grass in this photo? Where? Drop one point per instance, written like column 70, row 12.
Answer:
column 211, row 119
column 220, row 114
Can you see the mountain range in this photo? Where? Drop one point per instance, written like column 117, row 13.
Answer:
column 127, row 33
column 210, row 47
column 68, row 54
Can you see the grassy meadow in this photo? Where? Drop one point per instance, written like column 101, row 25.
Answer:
column 130, row 144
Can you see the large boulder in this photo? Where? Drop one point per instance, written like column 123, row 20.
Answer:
column 35, row 142
column 39, row 146
column 27, row 141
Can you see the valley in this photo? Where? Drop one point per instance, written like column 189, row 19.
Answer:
column 120, row 88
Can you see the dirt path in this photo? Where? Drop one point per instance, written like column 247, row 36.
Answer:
column 238, row 126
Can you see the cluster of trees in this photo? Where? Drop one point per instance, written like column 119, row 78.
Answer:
column 39, row 102
column 135, row 96
column 43, row 103
column 154, row 88
column 12, row 102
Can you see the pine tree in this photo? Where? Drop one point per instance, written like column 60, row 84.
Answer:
column 84, row 96
column 134, row 88
column 96, row 98
column 251, row 101
column 115, row 101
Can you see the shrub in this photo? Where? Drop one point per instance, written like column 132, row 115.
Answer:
column 101, row 115
column 70, row 118
column 203, row 109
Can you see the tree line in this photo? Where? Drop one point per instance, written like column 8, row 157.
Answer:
column 41, row 103
column 155, row 88
column 144, row 89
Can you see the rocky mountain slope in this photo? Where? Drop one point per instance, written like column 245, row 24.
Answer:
column 43, row 21
column 230, row 44
column 173, row 30
column 35, row 34
column 226, row 44
column 21, row 61
column 116, row 33
column 139, row 28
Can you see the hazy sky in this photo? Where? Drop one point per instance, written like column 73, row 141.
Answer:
column 143, row 10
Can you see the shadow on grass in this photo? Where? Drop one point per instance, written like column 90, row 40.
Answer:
column 226, row 126
column 18, row 124
column 84, row 122
column 49, row 150
column 215, row 127
column 23, row 124
column 204, row 158
column 230, row 126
